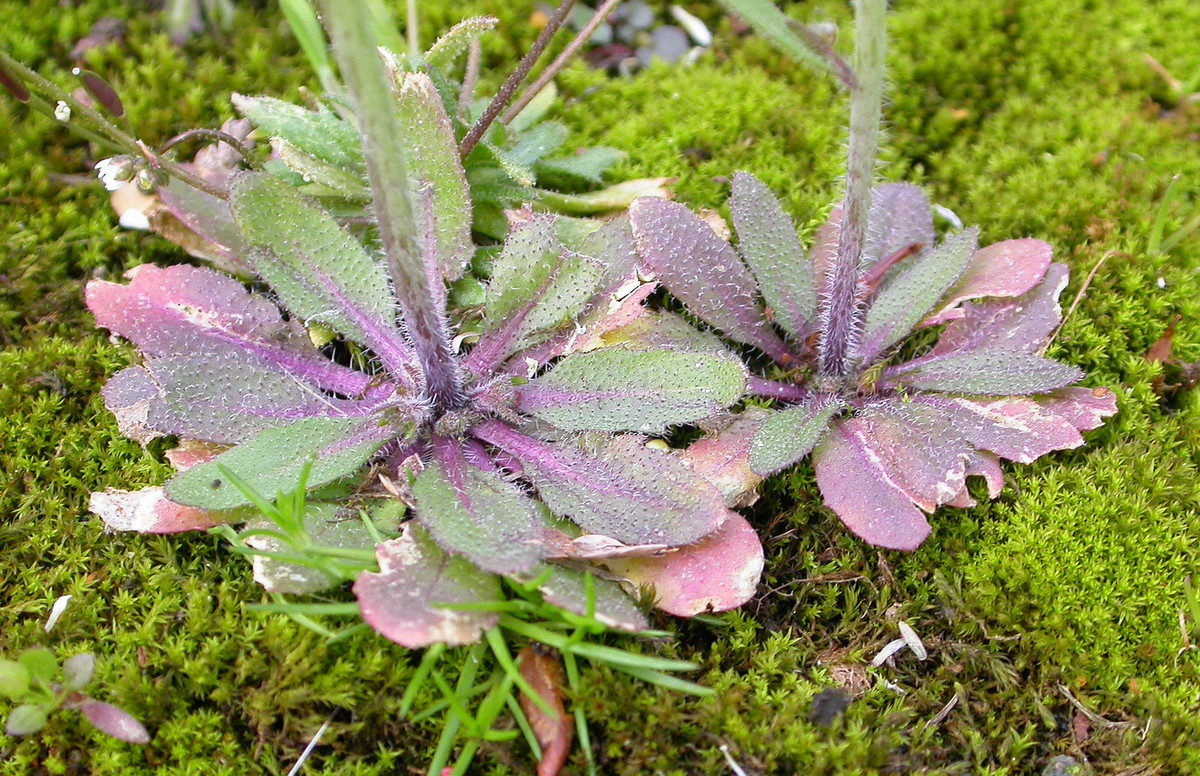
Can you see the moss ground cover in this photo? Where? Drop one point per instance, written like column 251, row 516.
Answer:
column 1026, row 117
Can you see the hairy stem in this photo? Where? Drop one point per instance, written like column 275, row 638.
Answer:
column 509, row 88
column 350, row 30
column 841, row 313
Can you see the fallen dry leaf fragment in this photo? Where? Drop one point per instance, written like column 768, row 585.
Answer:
column 540, row 666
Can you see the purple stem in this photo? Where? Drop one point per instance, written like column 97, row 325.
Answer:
column 759, row 386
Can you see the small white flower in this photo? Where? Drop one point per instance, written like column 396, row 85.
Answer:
column 113, row 172
column 62, row 111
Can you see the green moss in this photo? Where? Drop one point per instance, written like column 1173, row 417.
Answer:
column 1027, row 117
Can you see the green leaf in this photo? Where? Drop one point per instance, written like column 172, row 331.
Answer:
column 319, row 133
column 25, row 720
column 347, row 183
column 535, row 110
column 442, row 197
column 478, row 515
column 588, row 164
column 537, row 142
column 455, row 42
column 536, row 284
column 40, row 663
column 14, row 679
column 272, row 461
column 318, row 269
column 909, row 295
column 990, row 373
column 616, row 389
column 788, row 436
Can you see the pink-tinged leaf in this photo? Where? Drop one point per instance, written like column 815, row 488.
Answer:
column 228, row 398
column 788, row 436
column 477, row 514
column 112, row 721
column 182, row 309
column 405, row 600
column 982, row 464
column 852, row 486
column 1021, row 325
column 703, row 271
column 192, row 452
column 567, row 588
column 985, row 372
column 150, row 511
column 722, row 456
column 1006, row 269
column 767, row 241
column 620, row 489
column 900, row 219
column 201, row 224
column 718, row 573
column 914, row 289
column 1015, row 428
column 1083, row 408
column 618, row 389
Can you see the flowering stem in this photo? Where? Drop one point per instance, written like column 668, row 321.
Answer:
column 841, row 312
column 350, row 31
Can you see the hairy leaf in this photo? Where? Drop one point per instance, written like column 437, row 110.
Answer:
column 477, row 514
column 768, row 243
column 907, row 297
column 1022, row 325
column 900, row 220
column 616, row 389
column 788, row 436
column 987, row 373
column 703, row 271
column 722, row 455
column 622, row 490
column 404, row 600
column 272, row 461
column 1005, row 269
column 566, row 588
column 442, row 185
column 318, row 269
column 320, row 133
column 455, row 41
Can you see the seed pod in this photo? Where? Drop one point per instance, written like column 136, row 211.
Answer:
column 101, row 91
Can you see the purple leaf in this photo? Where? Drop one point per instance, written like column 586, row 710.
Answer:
column 1021, row 325
column 129, row 395
column 477, row 514
column 403, row 600
column 853, row 486
column 182, row 309
column 1006, row 269
column 767, row 242
column 986, row 373
column 788, row 436
column 900, row 219
column 217, row 238
column 907, row 296
column 149, row 511
column 228, row 397
column 622, row 489
column 718, row 573
column 703, row 271
column 1023, row 429
column 112, row 721
column 616, row 389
